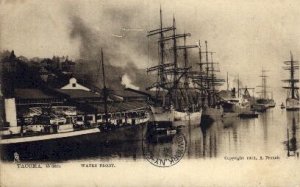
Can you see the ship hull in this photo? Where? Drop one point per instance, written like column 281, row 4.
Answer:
column 292, row 104
column 259, row 107
column 66, row 146
column 250, row 114
column 178, row 118
column 159, row 114
column 234, row 109
column 185, row 118
column 264, row 103
column 212, row 114
column 46, row 146
column 272, row 105
column 230, row 114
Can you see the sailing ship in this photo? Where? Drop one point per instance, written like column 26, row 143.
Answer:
column 292, row 100
column 264, row 102
column 174, row 100
column 207, row 82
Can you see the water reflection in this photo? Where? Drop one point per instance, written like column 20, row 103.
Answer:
column 209, row 145
column 261, row 136
column 273, row 133
column 291, row 143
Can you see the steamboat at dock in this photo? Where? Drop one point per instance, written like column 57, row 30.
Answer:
column 42, row 119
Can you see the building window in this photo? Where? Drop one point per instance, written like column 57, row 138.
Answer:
column 74, row 85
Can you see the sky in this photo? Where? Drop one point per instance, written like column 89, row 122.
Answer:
column 246, row 35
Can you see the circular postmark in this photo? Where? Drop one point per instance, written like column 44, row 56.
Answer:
column 165, row 152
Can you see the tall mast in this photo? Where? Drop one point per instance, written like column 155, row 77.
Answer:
column 264, row 79
column 104, row 90
column 175, row 62
column 186, row 83
column 174, row 44
column 208, row 80
column 160, row 68
column 185, row 52
column 162, row 51
column 186, row 71
column 238, row 84
column 207, row 67
column 292, row 76
column 200, row 58
column 207, row 74
column 201, row 75
column 212, row 72
column 227, row 82
column 212, row 79
column 263, row 92
column 292, row 66
column 161, row 43
column 185, row 55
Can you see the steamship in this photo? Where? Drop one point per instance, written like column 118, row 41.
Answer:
column 59, row 124
column 235, row 104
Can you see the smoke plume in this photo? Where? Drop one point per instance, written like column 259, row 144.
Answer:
column 116, row 33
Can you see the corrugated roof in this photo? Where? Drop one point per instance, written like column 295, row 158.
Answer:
column 120, row 106
column 126, row 93
column 76, row 93
column 32, row 94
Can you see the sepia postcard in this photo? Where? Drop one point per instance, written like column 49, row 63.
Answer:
column 149, row 93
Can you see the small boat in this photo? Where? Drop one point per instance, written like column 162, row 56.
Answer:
column 282, row 106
